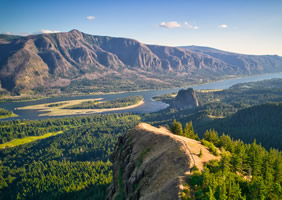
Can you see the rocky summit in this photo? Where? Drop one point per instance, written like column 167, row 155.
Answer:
column 186, row 99
column 151, row 163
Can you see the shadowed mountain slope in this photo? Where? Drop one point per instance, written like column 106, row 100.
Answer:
column 59, row 60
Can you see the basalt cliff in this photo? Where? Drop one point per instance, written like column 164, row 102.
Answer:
column 152, row 163
column 79, row 60
column 186, row 99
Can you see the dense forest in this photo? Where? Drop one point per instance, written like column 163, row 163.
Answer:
column 116, row 103
column 72, row 165
column 20, row 129
column 245, row 171
column 263, row 122
column 76, row 164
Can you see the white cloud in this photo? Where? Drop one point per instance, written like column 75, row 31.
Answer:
column 48, row 31
column 170, row 25
column 223, row 26
column 175, row 24
column 90, row 17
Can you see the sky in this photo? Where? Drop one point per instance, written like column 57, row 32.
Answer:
column 242, row 26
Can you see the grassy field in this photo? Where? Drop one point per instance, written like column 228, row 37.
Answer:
column 25, row 140
column 61, row 110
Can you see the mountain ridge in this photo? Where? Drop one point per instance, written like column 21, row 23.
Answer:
column 60, row 60
column 152, row 163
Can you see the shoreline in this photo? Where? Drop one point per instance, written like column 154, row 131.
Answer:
column 35, row 98
column 61, row 111
column 91, row 111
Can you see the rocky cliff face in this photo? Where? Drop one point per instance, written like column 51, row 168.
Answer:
column 150, row 163
column 58, row 59
column 186, row 99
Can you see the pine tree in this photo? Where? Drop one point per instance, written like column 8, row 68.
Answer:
column 211, row 196
column 222, row 192
column 211, row 136
column 226, row 142
column 189, row 131
column 176, row 128
column 173, row 126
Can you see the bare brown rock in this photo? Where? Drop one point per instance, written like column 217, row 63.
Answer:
column 36, row 60
column 150, row 163
column 186, row 99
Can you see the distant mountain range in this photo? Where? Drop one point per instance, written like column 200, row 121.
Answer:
column 75, row 59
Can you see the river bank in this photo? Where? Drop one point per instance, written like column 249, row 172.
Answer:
column 147, row 107
column 62, row 111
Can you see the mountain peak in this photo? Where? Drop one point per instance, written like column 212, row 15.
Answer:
column 74, row 31
column 57, row 60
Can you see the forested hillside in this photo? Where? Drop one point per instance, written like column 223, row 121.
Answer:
column 76, row 164
column 245, row 171
column 263, row 122
column 20, row 129
column 72, row 165
column 238, row 111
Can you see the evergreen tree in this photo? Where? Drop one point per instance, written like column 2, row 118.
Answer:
column 211, row 136
column 226, row 142
column 189, row 131
column 222, row 192
column 176, row 128
column 211, row 194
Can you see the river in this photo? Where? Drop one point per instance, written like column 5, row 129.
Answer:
column 148, row 106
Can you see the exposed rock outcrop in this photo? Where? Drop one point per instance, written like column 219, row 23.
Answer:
column 186, row 99
column 150, row 163
column 35, row 61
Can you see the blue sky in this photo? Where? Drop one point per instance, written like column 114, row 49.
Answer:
column 249, row 26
